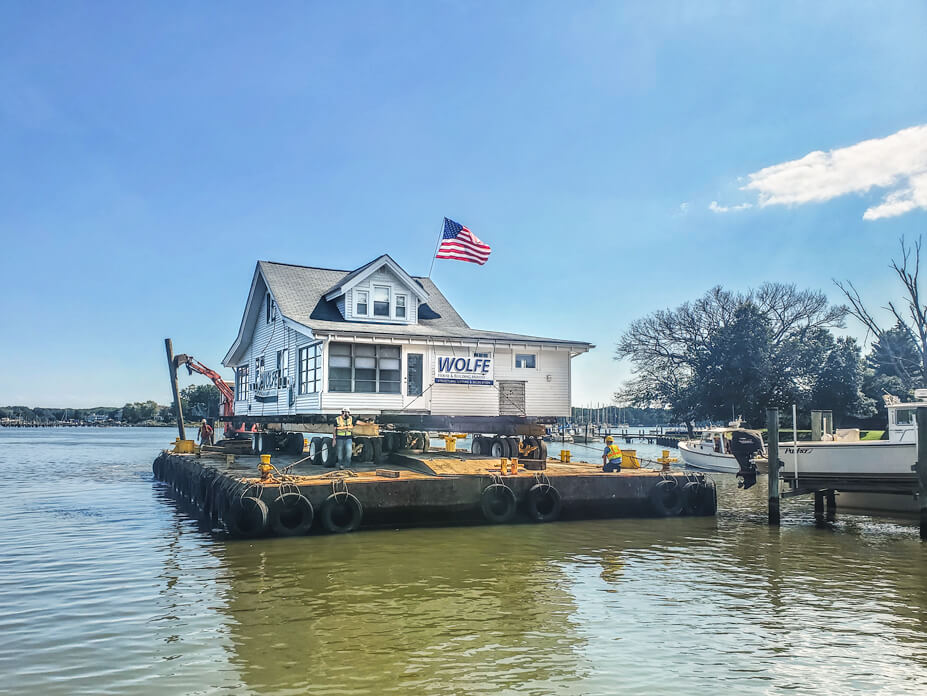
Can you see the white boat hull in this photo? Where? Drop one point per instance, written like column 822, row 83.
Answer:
column 690, row 452
column 848, row 459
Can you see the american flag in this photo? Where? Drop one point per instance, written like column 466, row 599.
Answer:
column 461, row 244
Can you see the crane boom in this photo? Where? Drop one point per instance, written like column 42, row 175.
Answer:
column 194, row 365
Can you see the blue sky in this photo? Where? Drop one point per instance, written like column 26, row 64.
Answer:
column 151, row 153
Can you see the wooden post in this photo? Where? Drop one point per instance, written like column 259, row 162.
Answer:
column 172, row 368
column 830, row 498
column 817, row 419
column 921, row 466
column 772, row 452
column 818, row 505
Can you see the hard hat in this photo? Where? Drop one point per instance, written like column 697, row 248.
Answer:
column 609, row 439
column 345, row 409
column 204, row 420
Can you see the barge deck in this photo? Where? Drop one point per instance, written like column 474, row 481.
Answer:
column 418, row 489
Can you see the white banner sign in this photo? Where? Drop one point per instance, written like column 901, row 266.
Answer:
column 453, row 370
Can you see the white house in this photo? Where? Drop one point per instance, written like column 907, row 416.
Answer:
column 380, row 341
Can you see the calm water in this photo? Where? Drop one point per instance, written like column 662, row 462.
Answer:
column 106, row 588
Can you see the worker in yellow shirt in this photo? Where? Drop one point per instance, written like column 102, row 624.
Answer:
column 611, row 458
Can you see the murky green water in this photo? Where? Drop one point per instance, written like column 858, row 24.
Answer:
column 106, row 588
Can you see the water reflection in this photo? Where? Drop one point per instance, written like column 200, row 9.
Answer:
column 109, row 588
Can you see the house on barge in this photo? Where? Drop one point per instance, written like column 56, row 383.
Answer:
column 389, row 346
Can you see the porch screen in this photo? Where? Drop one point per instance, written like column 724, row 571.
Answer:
column 359, row 367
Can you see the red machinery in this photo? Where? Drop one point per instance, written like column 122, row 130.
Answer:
column 228, row 396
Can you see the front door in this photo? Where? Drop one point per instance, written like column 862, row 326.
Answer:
column 414, row 374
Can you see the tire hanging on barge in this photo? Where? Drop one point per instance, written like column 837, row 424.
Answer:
column 290, row 514
column 543, row 503
column 666, row 498
column 498, row 503
column 247, row 517
column 341, row 513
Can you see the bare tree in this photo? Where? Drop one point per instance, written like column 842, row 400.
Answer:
column 909, row 314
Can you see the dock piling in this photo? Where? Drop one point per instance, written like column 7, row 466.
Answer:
column 921, row 467
column 172, row 368
column 772, row 450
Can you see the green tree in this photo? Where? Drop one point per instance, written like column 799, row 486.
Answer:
column 199, row 400
column 839, row 383
column 894, row 354
column 747, row 350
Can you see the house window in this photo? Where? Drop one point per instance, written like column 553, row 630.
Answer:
column 380, row 301
column 283, row 369
column 526, row 360
column 361, row 305
column 370, row 369
column 270, row 311
column 241, row 383
column 310, row 369
column 400, row 306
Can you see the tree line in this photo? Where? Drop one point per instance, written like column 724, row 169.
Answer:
column 730, row 354
column 197, row 401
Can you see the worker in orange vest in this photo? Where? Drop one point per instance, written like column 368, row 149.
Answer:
column 205, row 433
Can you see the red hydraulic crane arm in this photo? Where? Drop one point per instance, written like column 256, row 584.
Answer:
column 194, row 365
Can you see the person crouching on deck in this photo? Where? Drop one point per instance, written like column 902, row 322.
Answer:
column 344, row 429
column 205, row 433
column 611, row 458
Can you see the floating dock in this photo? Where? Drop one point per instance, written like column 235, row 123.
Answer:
column 418, row 489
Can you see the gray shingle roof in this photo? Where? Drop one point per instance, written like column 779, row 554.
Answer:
column 300, row 294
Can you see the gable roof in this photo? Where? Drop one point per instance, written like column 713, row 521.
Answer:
column 356, row 276
column 300, row 293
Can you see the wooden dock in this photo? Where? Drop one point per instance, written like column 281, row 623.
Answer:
column 414, row 489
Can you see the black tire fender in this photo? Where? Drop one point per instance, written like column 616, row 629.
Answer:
column 709, row 502
column 692, row 494
column 247, row 517
column 498, row 503
column 666, row 498
column 341, row 513
column 291, row 514
column 500, row 444
column 476, row 445
column 513, row 446
column 543, row 503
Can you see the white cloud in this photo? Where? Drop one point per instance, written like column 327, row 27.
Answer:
column 684, row 207
column 897, row 162
column 715, row 208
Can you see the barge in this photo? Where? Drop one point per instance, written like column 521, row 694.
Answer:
column 296, row 497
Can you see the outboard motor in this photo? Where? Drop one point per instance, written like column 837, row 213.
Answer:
column 744, row 446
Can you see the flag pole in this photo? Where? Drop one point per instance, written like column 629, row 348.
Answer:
column 437, row 246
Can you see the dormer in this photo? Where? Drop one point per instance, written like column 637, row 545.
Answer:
column 378, row 292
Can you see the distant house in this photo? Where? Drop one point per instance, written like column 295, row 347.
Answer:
column 378, row 340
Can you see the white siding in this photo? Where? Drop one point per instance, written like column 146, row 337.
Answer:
column 542, row 397
column 266, row 340
column 547, row 386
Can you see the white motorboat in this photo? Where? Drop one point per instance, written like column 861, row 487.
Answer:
column 713, row 451
column 870, row 470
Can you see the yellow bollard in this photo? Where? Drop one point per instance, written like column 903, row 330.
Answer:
column 504, row 465
column 564, row 455
column 450, row 443
column 265, row 467
column 514, row 469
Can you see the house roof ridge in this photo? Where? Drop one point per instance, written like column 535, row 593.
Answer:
column 300, row 265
